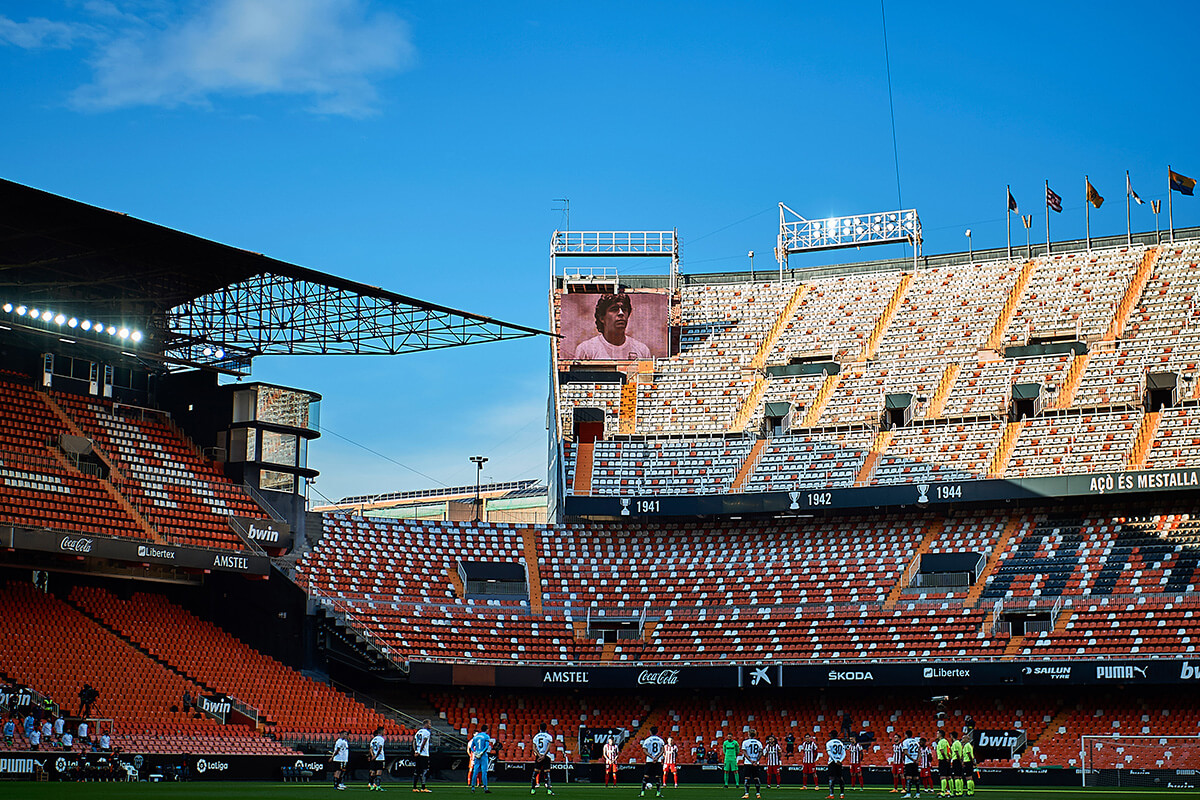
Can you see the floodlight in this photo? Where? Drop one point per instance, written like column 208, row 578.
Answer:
column 72, row 322
column 60, row 319
column 87, row 325
column 8, row 308
column 47, row 316
column 137, row 336
column 123, row 333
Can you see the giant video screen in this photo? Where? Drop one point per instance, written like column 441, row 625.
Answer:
column 627, row 326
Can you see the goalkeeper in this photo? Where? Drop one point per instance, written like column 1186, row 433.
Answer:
column 731, row 748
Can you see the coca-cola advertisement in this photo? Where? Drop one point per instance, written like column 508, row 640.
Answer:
column 137, row 551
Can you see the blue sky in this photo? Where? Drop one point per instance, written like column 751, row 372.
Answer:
column 420, row 147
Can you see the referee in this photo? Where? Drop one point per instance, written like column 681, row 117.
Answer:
column 942, row 748
column 956, row 763
column 969, row 763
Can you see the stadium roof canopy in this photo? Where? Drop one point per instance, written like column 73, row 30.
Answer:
column 203, row 303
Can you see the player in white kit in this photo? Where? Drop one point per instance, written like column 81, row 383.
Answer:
column 543, row 755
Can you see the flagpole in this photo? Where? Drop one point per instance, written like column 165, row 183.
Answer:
column 1047, row 196
column 1087, row 213
column 1128, row 230
column 1008, row 219
column 1170, row 206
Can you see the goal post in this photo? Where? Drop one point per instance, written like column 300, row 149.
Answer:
column 1147, row 761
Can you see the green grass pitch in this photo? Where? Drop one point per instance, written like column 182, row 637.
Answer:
column 500, row 791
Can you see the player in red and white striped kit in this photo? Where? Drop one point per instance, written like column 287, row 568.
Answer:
column 611, row 751
column 854, row 757
column 926, row 766
column 773, row 760
column 897, row 762
column 669, row 754
column 808, row 761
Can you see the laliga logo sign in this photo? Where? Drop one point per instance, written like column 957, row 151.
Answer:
column 203, row 766
column 315, row 766
column 70, row 544
column 666, row 677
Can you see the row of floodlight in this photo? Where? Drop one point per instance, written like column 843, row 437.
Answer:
column 46, row 315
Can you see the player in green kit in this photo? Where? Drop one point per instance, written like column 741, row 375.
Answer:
column 731, row 748
column 969, row 763
column 956, row 763
column 941, row 749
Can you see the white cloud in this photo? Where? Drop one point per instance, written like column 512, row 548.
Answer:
column 330, row 52
column 38, row 33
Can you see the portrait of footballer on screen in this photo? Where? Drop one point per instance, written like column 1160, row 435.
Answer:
column 621, row 326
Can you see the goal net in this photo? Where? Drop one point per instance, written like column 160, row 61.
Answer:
column 1140, row 761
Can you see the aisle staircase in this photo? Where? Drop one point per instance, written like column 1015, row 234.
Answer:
column 1145, row 438
column 781, row 324
column 1133, row 293
column 1010, row 530
column 878, row 448
column 995, row 337
column 628, row 420
column 584, row 454
column 932, row 532
column 942, row 393
column 532, row 569
column 747, row 466
column 1004, row 450
column 750, row 404
column 1066, row 395
column 885, row 319
column 826, row 391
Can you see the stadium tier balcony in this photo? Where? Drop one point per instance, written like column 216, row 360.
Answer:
column 183, row 496
column 1177, row 440
column 54, row 648
column 703, row 465
column 1074, row 442
column 773, row 590
column 292, row 706
column 1074, row 294
column 381, row 560
column 954, row 451
column 836, row 314
column 39, row 487
column 940, row 335
column 984, row 389
column 947, row 313
column 816, row 460
column 1077, row 556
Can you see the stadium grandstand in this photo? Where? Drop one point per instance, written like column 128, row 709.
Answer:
column 945, row 492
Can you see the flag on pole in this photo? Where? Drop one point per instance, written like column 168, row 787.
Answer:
column 1053, row 201
column 1093, row 196
column 1131, row 193
column 1181, row 183
column 1012, row 203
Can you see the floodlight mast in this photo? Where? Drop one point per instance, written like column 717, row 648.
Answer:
column 564, row 244
column 800, row 235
